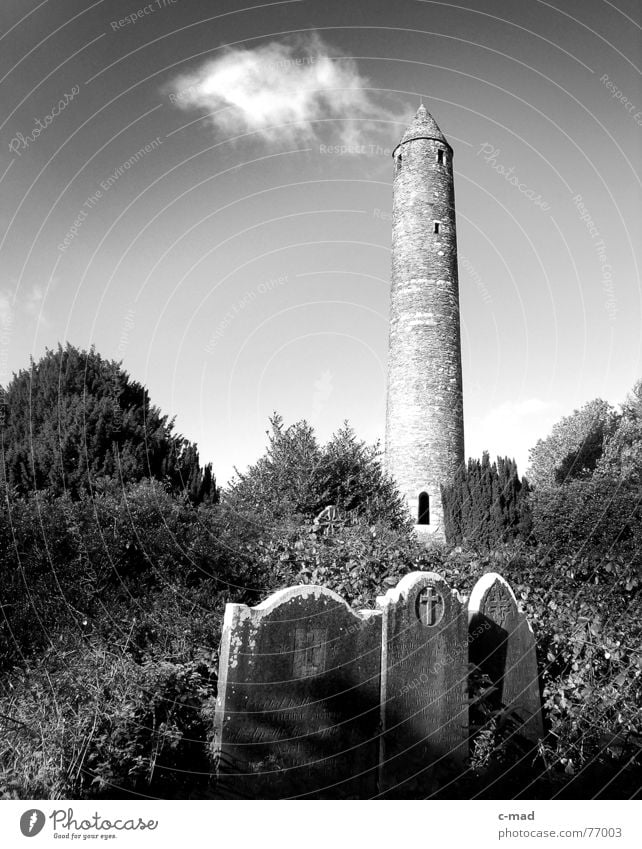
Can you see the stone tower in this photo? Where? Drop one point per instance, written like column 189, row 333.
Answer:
column 424, row 417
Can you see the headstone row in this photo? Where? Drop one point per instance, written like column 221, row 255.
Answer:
column 316, row 700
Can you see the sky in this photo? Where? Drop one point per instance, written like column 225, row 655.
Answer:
column 203, row 191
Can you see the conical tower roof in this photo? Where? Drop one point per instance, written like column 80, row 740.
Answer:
column 423, row 126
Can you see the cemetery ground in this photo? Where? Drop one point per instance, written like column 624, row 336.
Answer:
column 111, row 691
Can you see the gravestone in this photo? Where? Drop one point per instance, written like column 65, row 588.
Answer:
column 503, row 646
column 424, row 698
column 297, row 712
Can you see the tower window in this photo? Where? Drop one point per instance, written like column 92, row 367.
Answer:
column 436, row 227
column 423, row 513
column 398, row 164
column 440, row 157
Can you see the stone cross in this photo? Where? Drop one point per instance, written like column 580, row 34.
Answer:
column 430, row 605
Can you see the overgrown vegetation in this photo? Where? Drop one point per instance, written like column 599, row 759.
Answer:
column 114, row 576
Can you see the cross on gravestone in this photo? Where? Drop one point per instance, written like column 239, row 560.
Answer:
column 430, row 606
column 498, row 605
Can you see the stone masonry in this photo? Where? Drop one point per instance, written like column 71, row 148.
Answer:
column 424, row 419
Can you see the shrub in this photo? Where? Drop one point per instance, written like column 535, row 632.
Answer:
column 84, row 721
column 587, row 619
column 75, row 566
column 590, row 518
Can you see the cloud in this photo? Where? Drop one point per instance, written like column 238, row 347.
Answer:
column 6, row 311
column 291, row 91
column 33, row 299
column 29, row 303
column 323, row 389
column 511, row 429
column 33, row 302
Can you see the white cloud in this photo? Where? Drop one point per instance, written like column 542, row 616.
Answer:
column 6, row 311
column 323, row 389
column 33, row 302
column 283, row 91
column 33, row 299
column 29, row 303
column 511, row 429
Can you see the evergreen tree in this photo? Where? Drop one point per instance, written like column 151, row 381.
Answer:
column 299, row 477
column 74, row 419
column 486, row 503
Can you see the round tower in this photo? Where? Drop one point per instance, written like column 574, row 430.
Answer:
column 425, row 416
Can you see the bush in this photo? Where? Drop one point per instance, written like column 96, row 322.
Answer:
column 590, row 518
column 77, row 566
column 85, row 721
column 590, row 669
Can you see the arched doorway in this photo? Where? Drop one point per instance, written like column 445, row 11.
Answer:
column 423, row 513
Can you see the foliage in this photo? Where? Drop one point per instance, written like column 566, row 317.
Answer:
column 574, row 446
column 486, row 504
column 109, row 703
column 73, row 419
column 113, row 609
column 587, row 618
column 600, row 516
column 357, row 561
column 267, row 517
column 622, row 456
column 112, row 604
column 299, row 477
column 72, row 566
column 85, row 721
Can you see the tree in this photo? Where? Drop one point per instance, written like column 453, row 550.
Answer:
column 622, row 456
column 74, row 419
column 486, row 504
column 574, row 447
column 299, row 477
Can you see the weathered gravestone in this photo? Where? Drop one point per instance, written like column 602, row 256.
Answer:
column 297, row 713
column 503, row 647
column 424, row 697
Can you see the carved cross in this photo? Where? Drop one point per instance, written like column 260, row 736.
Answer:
column 498, row 605
column 430, row 606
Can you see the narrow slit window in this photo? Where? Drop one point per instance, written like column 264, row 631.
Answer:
column 440, row 157
column 423, row 513
column 436, row 227
column 398, row 163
